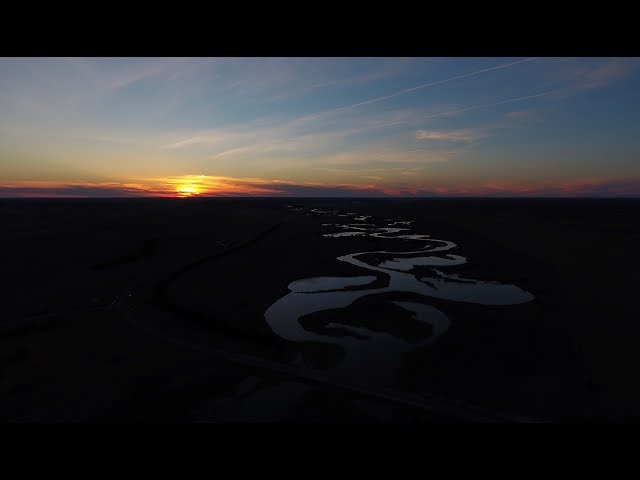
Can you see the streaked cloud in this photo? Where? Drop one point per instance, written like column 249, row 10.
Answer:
column 194, row 185
column 267, row 126
column 75, row 189
column 467, row 135
column 190, row 141
column 204, row 185
column 607, row 72
column 440, row 82
column 578, row 187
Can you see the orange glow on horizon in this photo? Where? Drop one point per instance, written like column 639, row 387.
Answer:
column 187, row 190
column 186, row 186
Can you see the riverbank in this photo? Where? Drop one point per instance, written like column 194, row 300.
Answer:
column 568, row 355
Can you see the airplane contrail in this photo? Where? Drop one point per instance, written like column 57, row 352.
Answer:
column 425, row 85
column 315, row 116
column 502, row 102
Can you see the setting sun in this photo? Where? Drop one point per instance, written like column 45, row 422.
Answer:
column 187, row 190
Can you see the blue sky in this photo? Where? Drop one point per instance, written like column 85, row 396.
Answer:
column 334, row 126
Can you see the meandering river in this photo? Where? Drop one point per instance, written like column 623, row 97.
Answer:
column 373, row 356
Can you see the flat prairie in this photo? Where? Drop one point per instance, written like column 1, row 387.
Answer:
column 182, row 310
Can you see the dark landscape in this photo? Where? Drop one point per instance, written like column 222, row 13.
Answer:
column 153, row 310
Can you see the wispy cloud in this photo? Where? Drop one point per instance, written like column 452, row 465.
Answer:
column 317, row 115
column 578, row 187
column 131, row 140
column 465, row 135
column 204, row 185
column 493, row 104
column 526, row 114
column 571, row 76
column 323, row 76
column 291, row 136
column 386, row 157
column 201, row 185
column 240, row 150
column 389, row 68
column 75, row 189
column 352, row 122
column 606, row 73
column 440, row 82
column 288, row 138
column 190, row 141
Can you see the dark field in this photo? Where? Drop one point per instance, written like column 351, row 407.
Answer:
column 153, row 310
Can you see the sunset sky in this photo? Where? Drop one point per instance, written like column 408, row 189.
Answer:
column 112, row 127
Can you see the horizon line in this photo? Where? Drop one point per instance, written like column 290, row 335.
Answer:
column 387, row 197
